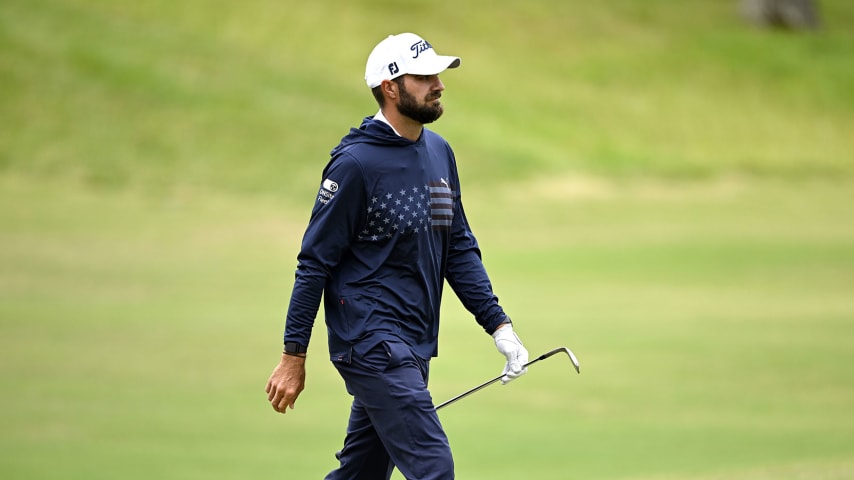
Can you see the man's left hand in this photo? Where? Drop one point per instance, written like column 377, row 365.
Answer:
column 511, row 347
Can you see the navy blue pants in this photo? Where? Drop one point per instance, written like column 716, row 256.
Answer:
column 393, row 422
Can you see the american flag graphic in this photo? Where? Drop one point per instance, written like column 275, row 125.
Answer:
column 442, row 205
column 409, row 211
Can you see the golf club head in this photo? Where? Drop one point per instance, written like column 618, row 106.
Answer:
column 565, row 350
column 572, row 357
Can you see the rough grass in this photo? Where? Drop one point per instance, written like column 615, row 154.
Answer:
column 253, row 96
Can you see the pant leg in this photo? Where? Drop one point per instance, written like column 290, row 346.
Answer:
column 364, row 456
column 389, row 385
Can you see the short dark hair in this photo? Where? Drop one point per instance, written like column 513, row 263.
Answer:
column 378, row 94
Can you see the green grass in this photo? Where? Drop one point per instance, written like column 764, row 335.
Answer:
column 253, row 96
column 656, row 185
column 712, row 325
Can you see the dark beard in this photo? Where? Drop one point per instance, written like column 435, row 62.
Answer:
column 420, row 113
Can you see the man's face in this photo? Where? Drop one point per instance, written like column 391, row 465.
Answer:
column 419, row 97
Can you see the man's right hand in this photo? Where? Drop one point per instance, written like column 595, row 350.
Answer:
column 286, row 382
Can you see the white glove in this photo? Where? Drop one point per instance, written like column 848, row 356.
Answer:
column 510, row 346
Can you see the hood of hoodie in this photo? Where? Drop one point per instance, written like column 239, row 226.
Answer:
column 374, row 132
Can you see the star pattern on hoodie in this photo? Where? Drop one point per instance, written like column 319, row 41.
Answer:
column 411, row 210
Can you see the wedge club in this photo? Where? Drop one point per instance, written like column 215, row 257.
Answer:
column 544, row 356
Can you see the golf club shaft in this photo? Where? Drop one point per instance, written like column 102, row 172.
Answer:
column 490, row 382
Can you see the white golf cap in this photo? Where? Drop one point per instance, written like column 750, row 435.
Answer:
column 402, row 54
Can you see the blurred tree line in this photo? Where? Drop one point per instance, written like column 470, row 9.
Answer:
column 788, row 14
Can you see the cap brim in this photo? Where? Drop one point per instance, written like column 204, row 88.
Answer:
column 436, row 66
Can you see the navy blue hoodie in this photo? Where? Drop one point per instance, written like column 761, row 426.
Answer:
column 386, row 230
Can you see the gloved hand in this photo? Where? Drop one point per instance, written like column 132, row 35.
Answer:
column 511, row 347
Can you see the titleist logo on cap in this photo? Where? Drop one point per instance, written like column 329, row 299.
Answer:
column 419, row 47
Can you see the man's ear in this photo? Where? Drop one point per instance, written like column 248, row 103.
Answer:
column 389, row 89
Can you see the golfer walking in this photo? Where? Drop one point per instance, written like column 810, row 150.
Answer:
column 387, row 229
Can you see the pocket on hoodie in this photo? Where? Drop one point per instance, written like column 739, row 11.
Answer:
column 355, row 310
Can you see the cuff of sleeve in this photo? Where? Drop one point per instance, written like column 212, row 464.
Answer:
column 500, row 320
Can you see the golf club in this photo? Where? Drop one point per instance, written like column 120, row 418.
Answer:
column 544, row 356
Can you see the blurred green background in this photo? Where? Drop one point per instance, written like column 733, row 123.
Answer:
column 661, row 186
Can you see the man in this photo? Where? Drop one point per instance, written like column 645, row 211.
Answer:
column 386, row 231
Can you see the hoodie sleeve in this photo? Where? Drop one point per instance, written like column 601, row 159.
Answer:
column 334, row 219
column 467, row 275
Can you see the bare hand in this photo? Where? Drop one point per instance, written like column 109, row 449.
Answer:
column 286, row 382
